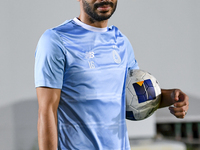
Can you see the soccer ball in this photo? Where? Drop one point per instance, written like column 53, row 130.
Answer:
column 143, row 95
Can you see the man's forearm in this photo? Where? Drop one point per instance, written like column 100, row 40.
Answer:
column 166, row 98
column 48, row 100
column 47, row 130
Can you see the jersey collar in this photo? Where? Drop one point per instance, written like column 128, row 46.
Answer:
column 88, row 27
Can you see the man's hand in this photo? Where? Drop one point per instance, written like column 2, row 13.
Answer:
column 181, row 103
column 177, row 98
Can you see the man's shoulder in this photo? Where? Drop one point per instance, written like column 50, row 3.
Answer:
column 115, row 29
column 118, row 33
column 65, row 26
column 53, row 34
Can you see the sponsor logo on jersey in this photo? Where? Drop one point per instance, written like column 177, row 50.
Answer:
column 114, row 46
column 116, row 57
column 144, row 90
column 89, row 55
column 91, row 64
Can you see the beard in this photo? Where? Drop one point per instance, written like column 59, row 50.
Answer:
column 94, row 15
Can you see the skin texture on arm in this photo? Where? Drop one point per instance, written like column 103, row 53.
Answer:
column 48, row 100
column 177, row 98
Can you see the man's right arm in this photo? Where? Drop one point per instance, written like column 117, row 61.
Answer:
column 48, row 101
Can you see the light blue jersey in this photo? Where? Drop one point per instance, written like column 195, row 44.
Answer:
column 89, row 65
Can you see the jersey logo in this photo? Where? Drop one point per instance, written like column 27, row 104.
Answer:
column 116, row 57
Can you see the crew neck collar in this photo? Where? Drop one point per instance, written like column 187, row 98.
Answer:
column 88, row 27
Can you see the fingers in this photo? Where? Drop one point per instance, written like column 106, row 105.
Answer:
column 181, row 99
column 179, row 112
column 175, row 94
column 181, row 103
column 178, row 95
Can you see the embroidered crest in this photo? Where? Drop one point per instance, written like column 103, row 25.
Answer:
column 116, row 57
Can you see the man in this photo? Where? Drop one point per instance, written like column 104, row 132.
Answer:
column 80, row 73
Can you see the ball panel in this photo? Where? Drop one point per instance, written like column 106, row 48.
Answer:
column 140, row 92
column 151, row 93
column 129, row 115
column 157, row 90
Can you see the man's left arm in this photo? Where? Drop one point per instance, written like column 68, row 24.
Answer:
column 178, row 99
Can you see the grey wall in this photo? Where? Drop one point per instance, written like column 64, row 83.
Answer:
column 22, row 23
column 165, row 36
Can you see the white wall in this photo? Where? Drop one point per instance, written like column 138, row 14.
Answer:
column 165, row 36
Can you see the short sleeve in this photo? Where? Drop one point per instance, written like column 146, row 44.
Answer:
column 49, row 61
column 132, row 63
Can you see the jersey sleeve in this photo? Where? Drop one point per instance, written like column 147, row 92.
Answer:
column 49, row 61
column 132, row 63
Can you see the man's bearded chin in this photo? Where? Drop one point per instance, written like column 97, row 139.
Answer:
column 94, row 16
